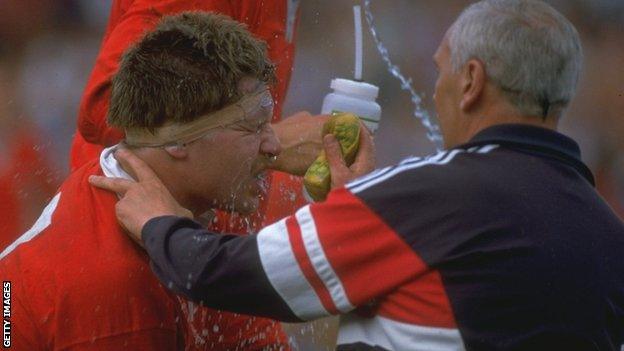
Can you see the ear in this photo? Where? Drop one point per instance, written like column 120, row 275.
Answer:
column 472, row 84
column 177, row 151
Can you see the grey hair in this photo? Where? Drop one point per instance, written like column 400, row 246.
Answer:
column 530, row 51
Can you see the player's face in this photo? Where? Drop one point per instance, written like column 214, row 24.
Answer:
column 231, row 162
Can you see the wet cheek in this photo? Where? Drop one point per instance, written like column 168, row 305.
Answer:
column 251, row 152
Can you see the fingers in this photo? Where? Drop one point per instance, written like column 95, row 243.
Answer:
column 132, row 164
column 366, row 142
column 117, row 185
column 365, row 159
column 333, row 153
column 340, row 173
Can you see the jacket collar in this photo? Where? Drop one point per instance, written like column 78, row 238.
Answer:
column 110, row 166
column 535, row 140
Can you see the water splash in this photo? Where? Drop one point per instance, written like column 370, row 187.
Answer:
column 433, row 130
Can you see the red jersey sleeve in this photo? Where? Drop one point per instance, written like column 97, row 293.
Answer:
column 126, row 25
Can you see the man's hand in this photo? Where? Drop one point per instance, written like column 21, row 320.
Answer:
column 141, row 200
column 301, row 140
column 364, row 162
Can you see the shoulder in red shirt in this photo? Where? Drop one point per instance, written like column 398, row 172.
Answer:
column 80, row 283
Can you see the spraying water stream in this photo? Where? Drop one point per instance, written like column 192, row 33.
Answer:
column 433, row 130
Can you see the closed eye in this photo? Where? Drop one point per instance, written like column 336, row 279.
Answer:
column 252, row 127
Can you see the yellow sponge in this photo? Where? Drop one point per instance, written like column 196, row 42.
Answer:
column 346, row 128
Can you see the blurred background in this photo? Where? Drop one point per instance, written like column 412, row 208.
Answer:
column 48, row 47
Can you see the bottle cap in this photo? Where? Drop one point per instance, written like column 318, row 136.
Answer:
column 356, row 88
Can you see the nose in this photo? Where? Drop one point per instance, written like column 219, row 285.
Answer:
column 269, row 143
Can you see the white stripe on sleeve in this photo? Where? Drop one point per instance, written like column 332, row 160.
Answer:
column 439, row 159
column 319, row 260
column 284, row 273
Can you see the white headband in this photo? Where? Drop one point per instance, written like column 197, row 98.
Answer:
column 176, row 133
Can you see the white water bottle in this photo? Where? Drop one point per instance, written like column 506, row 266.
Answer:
column 358, row 98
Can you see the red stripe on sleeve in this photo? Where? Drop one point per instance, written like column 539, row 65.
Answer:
column 370, row 259
column 422, row 301
column 301, row 255
column 380, row 272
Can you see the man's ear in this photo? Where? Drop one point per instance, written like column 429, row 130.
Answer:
column 472, row 84
column 178, row 151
